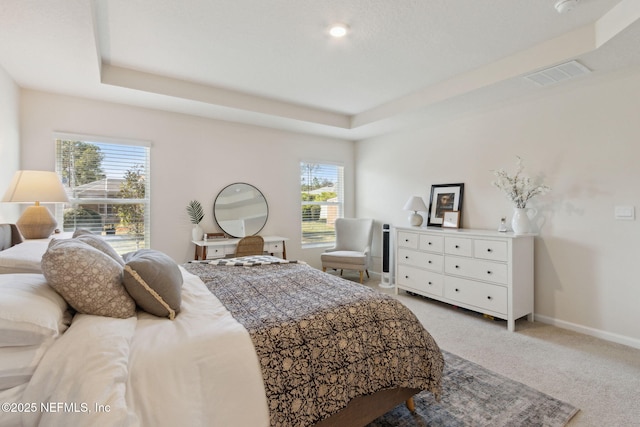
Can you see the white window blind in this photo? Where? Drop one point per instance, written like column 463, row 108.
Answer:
column 108, row 185
column 322, row 194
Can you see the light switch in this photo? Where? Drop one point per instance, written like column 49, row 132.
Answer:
column 625, row 213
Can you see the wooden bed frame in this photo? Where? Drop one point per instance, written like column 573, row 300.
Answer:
column 364, row 409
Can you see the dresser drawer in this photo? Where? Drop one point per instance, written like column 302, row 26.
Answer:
column 217, row 252
column 482, row 295
column 477, row 269
column 424, row 260
column 274, row 247
column 458, row 246
column 490, row 249
column 431, row 243
column 420, row 280
column 408, row 240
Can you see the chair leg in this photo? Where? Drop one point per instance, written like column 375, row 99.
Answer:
column 324, row 269
column 368, row 277
column 340, row 272
column 361, row 276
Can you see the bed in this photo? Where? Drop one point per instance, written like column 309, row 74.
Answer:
column 204, row 366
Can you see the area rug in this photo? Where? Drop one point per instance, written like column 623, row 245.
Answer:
column 474, row 396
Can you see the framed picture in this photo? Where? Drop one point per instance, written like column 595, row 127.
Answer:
column 451, row 219
column 444, row 197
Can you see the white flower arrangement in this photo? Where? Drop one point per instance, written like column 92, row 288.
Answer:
column 518, row 188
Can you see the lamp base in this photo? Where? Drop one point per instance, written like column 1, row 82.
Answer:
column 36, row 222
column 415, row 219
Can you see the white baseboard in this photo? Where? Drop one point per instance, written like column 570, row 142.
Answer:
column 609, row 336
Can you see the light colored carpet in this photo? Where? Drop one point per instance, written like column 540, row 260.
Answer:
column 599, row 377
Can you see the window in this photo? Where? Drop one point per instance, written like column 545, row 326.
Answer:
column 322, row 198
column 108, row 187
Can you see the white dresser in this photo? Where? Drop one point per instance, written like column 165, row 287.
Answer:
column 481, row 270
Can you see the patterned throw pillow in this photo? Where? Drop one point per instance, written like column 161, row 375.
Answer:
column 99, row 243
column 154, row 281
column 88, row 279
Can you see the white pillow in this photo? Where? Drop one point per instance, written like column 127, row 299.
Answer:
column 30, row 310
column 24, row 257
column 17, row 364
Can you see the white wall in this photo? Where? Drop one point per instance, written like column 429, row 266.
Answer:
column 9, row 141
column 584, row 139
column 191, row 158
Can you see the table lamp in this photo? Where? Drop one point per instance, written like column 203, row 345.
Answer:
column 27, row 186
column 415, row 204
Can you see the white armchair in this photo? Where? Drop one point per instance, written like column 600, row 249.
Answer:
column 353, row 246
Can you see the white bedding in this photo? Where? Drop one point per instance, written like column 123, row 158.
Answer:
column 197, row 370
column 24, row 257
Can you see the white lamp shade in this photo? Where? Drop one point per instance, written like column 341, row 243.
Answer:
column 415, row 204
column 35, row 186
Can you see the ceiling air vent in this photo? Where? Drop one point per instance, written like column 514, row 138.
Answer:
column 557, row 74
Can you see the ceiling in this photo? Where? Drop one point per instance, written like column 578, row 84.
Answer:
column 272, row 63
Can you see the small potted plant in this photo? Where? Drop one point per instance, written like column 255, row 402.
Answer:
column 194, row 209
column 519, row 189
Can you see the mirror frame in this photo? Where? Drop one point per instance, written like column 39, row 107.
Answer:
column 259, row 195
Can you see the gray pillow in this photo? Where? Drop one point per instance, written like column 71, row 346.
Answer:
column 154, row 281
column 99, row 243
column 88, row 279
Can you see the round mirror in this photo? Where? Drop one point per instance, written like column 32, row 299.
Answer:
column 240, row 210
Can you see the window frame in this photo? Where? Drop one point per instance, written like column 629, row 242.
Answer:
column 145, row 242
column 339, row 205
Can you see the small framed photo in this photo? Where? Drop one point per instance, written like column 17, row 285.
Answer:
column 451, row 219
column 444, row 197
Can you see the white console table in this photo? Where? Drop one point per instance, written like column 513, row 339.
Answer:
column 220, row 248
column 481, row 270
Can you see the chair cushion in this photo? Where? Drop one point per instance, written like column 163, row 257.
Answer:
column 344, row 257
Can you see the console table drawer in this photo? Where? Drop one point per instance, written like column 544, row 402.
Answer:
column 458, row 246
column 477, row 269
column 274, row 248
column 431, row 243
column 482, row 295
column 420, row 280
column 424, row 260
column 490, row 249
column 220, row 252
column 408, row 240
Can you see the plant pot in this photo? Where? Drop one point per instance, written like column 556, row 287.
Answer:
column 521, row 221
column 197, row 233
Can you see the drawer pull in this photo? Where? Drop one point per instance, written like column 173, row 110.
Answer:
column 457, row 290
column 489, row 297
column 406, row 240
column 457, row 247
column 457, row 266
column 429, row 243
column 489, row 250
column 429, row 283
column 406, row 277
column 429, row 262
column 406, row 257
column 488, row 272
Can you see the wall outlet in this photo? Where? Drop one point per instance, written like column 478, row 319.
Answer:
column 627, row 213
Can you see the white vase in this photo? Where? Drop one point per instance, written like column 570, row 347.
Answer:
column 521, row 221
column 197, row 233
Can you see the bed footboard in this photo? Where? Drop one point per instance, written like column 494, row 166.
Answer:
column 364, row 409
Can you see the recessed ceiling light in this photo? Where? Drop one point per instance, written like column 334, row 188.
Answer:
column 339, row 30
